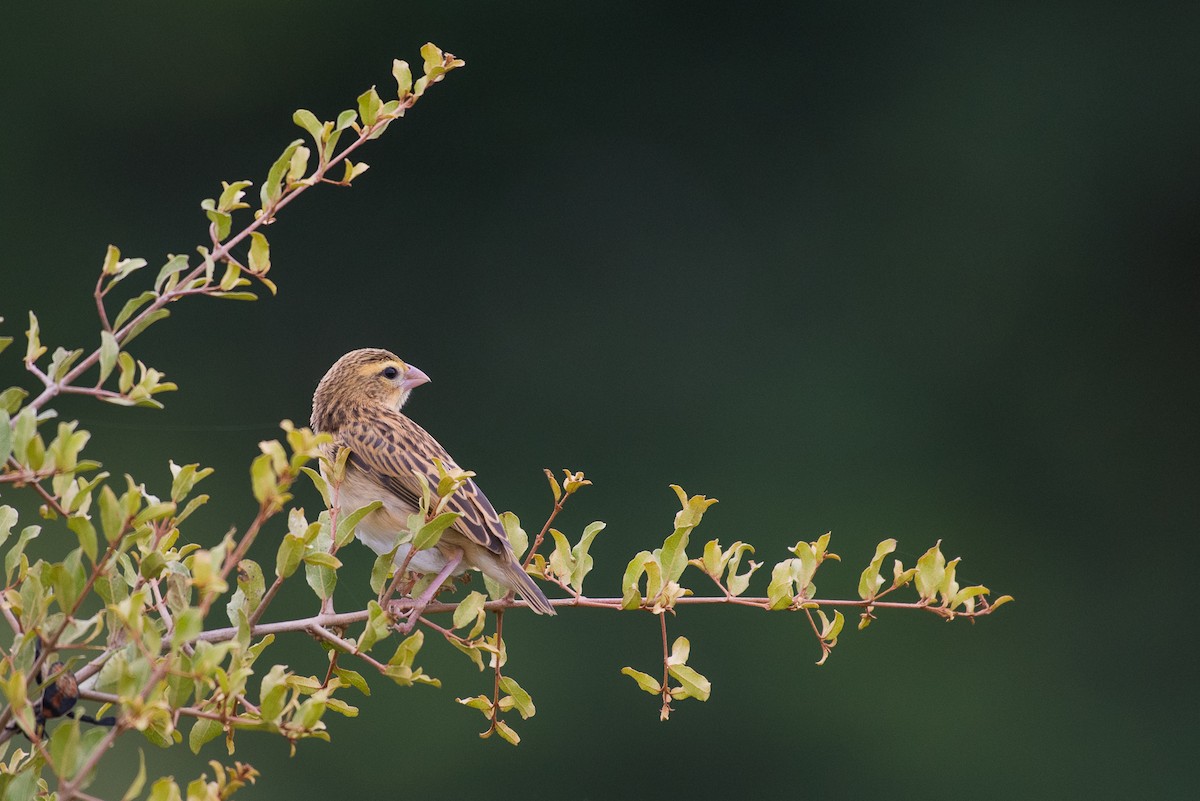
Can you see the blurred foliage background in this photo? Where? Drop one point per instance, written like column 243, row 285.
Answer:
column 924, row 273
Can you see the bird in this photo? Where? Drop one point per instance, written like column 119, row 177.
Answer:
column 358, row 402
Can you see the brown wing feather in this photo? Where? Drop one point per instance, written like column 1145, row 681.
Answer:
column 394, row 447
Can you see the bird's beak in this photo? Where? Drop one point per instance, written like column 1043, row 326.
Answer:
column 413, row 377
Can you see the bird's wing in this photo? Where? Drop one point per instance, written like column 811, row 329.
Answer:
column 394, row 449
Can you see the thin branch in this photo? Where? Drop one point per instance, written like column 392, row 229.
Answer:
column 496, row 673
column 218, row 254
column 269, row 596
column 537, row 541
column 345, row 646
column 190, row 711
column 614, row 604
column 665, row 712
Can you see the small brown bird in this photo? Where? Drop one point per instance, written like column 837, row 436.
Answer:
column 358, row 402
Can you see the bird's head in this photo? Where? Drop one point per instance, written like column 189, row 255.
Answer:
column 366, row 377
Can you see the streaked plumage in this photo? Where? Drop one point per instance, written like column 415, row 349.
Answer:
column 358, row 402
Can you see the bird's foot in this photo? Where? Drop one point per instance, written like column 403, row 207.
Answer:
column 414, row 609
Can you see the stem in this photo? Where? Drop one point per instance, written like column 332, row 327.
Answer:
column 496, row 673
column 537, row 541
column 218, row 254
column 665, row 712
column 613, row 604
column 266, row 600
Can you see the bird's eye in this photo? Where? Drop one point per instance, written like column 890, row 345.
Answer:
column 390, row 372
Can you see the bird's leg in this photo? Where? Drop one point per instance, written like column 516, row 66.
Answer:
column 419, row 605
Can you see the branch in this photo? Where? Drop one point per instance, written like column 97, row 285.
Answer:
column 614, row 604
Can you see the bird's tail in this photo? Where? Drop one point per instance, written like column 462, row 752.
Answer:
column 517, row 579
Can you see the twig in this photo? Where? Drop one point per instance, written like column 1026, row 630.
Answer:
column 665, row 712
column 496, row 673
column 266, row 600
column 346, row 647
column 537, row 541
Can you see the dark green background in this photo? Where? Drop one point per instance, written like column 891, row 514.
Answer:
column 921, row 272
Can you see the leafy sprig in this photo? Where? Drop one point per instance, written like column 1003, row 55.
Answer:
column 125, row 620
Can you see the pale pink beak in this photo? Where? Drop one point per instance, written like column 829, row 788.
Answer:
column 413, row 377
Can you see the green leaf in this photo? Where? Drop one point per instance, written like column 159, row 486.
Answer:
column 154, row 512
column 711, row 559
column 320, row 483
column 273, row 693
column 644, row 680
column 108, row 354
column 6, row 436
column 378, row 627
column 368, row 106
column 382, row 570
column 86, row 533
column 517, row 538
column 64, row 747
column 480, row 702
column 68, row 580
column 309, row 122
column 288, row 557
column 561, row 559
column 61, row 362
column 673, row 557
column 232, row 194
column 298, row 166
column 352, row 678
column 8, row 519
column 272, row 188
column 139, row 781
column 507, row 734
column 4, row 343
column 474, row 653
column 692, row 682
column 521, row 699
column 631, row 594
column 583, row 561
column 12, row 398
column 13, row 557
column 112, row 517
column 403, row 75
column 24, row 430
column 831, row 629
column 251, row 583
column 144, row 323
column 693, row 508
column 175, row 265
column 165, row 789
column 469, row 609
column 260, row 254
column 408, row 649
column 431, row 532
column 433, row 57
column 931, row 569
column 347, row 524
column 737, row 583
column 185, row 478
column 112, row 254
column 202, row 731
column 782, row 587
column 681, row 649
column 320, row 575
column 870, row 581
column 188, row 626
column 34, row 349
column 323, row 558
column 353, row 170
